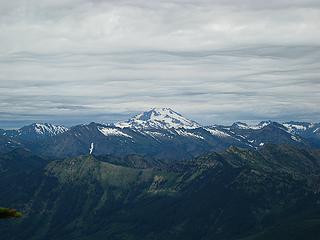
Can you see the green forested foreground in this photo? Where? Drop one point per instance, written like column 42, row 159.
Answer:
column 9, row 213
column 271, row 193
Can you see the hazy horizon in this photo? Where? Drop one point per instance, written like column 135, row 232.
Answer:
column 73, row 122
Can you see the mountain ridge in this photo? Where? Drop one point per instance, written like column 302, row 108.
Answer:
column 160, row 132
column 229, row 195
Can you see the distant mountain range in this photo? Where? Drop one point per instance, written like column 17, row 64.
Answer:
column 160, row 176
column 161, row 133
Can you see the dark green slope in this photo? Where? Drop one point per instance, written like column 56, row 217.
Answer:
column 229, row 200
column 237, row 194
column 20, row 173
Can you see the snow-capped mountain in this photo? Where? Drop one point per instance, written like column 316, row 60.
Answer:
column 44, row 129
column 33, row 137
column 159, row 132
column 36, row 130
column 300, row 127
column 158, row 118
column 262, row 133
column 310, row 131
column 241, row 125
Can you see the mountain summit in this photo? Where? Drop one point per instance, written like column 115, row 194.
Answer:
column 36, row 131
column 43, row 129
column 159, row 118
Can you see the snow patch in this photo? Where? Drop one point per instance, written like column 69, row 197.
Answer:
column 91, row 148
column 261, row 125
column 155, row 134
column 294, row 127
column 241, row 125
column 112, row 132
column 48, row 129
column 188, row 134
column 217, row 133
column 295, row 138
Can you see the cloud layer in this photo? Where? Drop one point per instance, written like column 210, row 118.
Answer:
column 74, row 61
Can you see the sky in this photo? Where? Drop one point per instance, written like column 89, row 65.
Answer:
column 216, row 62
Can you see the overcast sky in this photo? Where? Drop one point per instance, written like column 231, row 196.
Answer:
column 74, row 61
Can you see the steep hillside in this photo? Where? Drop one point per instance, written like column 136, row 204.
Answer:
column 236, row 194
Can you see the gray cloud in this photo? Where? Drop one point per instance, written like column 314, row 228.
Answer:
column 215, row 61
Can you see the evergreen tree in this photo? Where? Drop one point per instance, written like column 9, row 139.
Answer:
column 9, row 213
